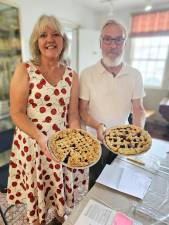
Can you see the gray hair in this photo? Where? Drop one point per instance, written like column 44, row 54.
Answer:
column 43, row 22
column 114, row 22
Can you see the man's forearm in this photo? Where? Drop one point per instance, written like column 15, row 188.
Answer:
column 139, row 119
column 97, row 125
column 89, row 120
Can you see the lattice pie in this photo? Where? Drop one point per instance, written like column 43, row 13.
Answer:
column 127, row 140
column 74, row 147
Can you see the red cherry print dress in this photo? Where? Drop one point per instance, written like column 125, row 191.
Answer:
column 34, row 179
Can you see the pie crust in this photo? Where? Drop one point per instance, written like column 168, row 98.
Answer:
column 127, row 140
column 74, row 148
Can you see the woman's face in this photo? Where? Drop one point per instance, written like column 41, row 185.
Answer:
column 50, row 43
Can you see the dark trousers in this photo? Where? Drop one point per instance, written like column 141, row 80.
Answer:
column 106, row 158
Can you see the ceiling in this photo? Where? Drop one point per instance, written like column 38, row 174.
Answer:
column 104, row 5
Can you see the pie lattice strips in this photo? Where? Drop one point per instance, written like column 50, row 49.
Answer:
column 74, row 147
column 127, row 140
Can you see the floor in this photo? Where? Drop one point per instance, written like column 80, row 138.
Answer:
column 16, row 215
column 157, row 130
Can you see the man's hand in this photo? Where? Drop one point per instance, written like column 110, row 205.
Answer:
column 101, row 129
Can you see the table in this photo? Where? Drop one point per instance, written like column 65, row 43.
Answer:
column 156, row 199
column 149, row 113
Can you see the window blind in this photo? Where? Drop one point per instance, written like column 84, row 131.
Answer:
column 150, row 24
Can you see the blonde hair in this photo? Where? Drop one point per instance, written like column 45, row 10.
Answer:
column 114, row 22
column 43, row 22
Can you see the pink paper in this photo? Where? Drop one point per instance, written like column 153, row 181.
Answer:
column 121, row 219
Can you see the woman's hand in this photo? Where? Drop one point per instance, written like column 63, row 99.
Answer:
column 101, row 129
column 42, row 142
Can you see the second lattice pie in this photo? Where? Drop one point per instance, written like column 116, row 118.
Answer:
column 127, row 140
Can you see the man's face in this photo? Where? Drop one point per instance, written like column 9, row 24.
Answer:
column 112, row 42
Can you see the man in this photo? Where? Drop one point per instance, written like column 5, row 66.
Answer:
column 110, row 90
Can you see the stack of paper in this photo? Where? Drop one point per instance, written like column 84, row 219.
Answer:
column 125, row 180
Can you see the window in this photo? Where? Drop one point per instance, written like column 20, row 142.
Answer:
column 149, row 56
column 150, row 45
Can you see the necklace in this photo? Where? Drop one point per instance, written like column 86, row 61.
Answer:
column 51, row 69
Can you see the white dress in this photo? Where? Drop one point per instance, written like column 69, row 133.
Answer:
column 34, row 179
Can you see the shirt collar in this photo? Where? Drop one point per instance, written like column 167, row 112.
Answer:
column 101, row 69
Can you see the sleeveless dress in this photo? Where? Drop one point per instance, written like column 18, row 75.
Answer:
column 34, row 179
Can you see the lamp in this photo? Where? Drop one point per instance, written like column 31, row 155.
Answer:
column 110, row 14
column 111, row 7
column 111, row 10
column 148, row 6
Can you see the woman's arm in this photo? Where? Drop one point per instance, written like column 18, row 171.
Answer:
column 19, row 91
column 73, row 113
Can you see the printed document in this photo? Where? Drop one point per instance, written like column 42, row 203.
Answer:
column 96, row 213
column 125, row 180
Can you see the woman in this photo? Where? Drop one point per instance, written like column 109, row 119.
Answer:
column 44, row 100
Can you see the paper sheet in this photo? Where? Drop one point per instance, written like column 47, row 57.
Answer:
column 125, row 180
column 96, row 213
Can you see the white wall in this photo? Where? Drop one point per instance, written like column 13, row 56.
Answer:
column 88, row 49
column 65, row 10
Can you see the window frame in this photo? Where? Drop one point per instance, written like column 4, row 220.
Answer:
column 73, row 28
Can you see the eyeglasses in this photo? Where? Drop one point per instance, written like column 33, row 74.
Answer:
column 108, row 40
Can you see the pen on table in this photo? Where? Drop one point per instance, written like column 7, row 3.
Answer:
column 137, row 161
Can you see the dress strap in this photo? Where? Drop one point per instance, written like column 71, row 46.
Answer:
column 31, row 69
column 69, row 73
